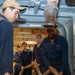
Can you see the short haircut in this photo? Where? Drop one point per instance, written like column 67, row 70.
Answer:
column 3, row 10
column 38, row 35
column 24, row 43
column 18, row 46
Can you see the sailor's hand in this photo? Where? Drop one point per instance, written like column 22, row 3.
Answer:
column 7, row 73
column 38, row 64
column 22, row 67
column 53, row 70
column 33, row 63
column 61, row 73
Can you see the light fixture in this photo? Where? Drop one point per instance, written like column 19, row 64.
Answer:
column 24, row 33
column 30, row 42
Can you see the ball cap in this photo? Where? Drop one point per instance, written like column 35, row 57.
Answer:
column 50, row 24
column 12, row 3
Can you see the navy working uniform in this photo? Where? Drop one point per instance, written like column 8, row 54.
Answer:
column 37, row 54
column 6, row 46
column 26, row 59
column 17, row 67
column 56, row 54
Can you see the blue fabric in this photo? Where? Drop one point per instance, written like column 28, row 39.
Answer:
column 26, row 59
column 15, row 54
column 37, row 54
column 6, row 45
column 56, row 52
column 17, row 67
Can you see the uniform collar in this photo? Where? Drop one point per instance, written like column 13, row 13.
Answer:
column 3, row 16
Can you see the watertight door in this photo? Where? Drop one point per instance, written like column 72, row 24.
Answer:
column 66, row 30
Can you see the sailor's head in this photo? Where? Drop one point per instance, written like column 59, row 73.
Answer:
column 51, row 29
column 11, row 9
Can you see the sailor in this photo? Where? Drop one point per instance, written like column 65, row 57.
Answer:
column 55, row 51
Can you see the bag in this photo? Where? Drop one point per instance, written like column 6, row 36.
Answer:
column 51, row 9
